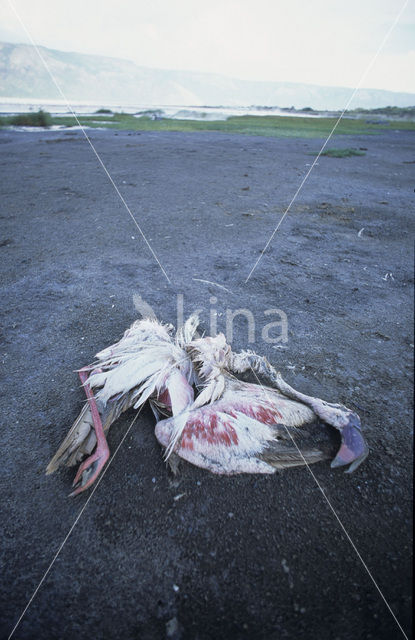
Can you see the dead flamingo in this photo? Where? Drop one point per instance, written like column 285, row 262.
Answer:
column 230, row 427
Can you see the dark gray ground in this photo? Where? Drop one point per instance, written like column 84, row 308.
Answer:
column 251, row 556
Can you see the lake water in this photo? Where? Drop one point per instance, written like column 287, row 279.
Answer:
column 56, row 107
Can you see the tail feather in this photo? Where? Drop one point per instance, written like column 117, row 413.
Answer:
column 78, row 435
column 81, row 440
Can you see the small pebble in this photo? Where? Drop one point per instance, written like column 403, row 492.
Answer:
column 173, row 629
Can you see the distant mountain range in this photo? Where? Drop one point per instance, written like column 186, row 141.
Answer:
column 98, row 79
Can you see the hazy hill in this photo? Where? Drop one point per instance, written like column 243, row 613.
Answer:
column 112, row 80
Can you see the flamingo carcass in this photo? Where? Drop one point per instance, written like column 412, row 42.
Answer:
column 230, row 426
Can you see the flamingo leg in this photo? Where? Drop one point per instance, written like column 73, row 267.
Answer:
column 90, row 469
column 353, row 449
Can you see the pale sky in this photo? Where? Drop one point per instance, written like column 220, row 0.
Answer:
column 327, row 42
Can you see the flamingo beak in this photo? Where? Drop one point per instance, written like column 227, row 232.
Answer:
column 353, row 448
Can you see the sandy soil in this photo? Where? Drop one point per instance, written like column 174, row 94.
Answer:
column 241, row 557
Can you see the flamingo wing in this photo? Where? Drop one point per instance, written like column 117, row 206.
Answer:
column 246, row 433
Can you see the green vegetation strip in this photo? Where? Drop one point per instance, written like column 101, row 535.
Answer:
column 274, row 126
column 38, row 119
column 343, row 153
